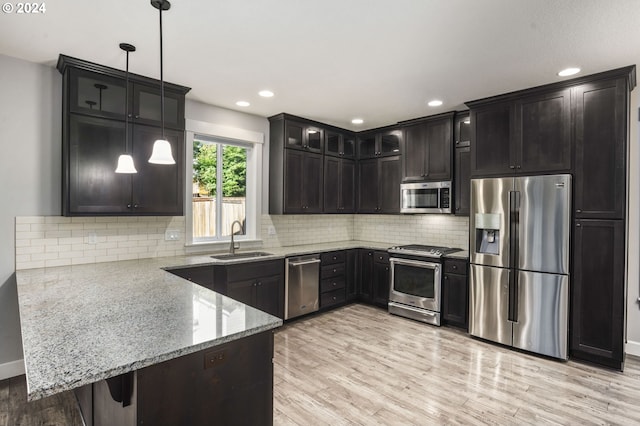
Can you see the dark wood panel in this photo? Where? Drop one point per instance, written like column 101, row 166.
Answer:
column 416, row 151
column 601, row 133
column 331, row 184
column 330, row 284
column 462, row 181
column 597, row 301
column 439, row 135
column 312, row 183
column 491, row 152
column 332, row 298
column 347, row 186
column 368, row 186
column 293, row 178
column 389, row 185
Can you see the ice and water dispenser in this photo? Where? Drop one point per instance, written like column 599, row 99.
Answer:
column 487, row 233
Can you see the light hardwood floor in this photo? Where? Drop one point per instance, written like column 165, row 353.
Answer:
column 360, row 365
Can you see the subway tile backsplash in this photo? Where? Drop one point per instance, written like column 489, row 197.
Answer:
column 43, row 241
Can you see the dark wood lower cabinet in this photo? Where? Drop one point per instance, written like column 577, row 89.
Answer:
column 333, row 276
column 455, row 293
column 374, row 276
column 229, row 384
column 597, row 292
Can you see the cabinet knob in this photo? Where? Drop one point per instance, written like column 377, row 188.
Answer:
column 335, row 257
column 370, row 254
column 137, row 116
column 454, row 267
column 259, row 283
column 334, row 271
column 578, row 211
column 128, row 206
column 129, row 115
column 446, row 277
column 335, row 298
column 518, row 167
column 335, row 284
column 578, row 225
column 512, row 167
column 135, row 206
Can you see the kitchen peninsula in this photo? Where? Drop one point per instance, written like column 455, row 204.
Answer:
column 141, row 344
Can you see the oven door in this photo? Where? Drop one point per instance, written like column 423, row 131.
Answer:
column 415, row 283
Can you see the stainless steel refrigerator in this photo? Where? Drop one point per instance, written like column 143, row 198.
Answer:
column 519, row 254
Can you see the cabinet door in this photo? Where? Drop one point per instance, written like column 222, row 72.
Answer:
column 462, row 128
column 243, row 291
column 389, row 185
column 368, row 183
column 332, row 143
column 332, row 185
column 416, row 150
column 349, row 146
column 293, row 181
column 147, row 106
column 312, row 183
column 462, row 181
column 600, row 164
column 439, row 134
column 96, row 94
column 314, row 139
column 597, row 301
column 157, row 188
column 381, row 283
column 455, row 305
column 543, row 133
column 389, row 142
column 347, row 186
column 367, row 147
column 491, row 152
column 270, row 295
column 92, row 186
column 366, row 275
column 351, row 274
column 294, row 135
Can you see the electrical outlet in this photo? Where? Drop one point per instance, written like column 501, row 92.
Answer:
column 271, row 230
column 171, row 235
column 93, row 238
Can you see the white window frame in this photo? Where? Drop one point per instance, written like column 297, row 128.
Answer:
column 219, row 133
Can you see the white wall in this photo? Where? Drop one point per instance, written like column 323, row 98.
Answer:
column 30, row 135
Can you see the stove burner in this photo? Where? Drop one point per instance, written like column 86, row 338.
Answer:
column 422, row 250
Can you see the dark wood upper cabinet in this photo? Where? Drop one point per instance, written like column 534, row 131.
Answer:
column 428, row 149
column 462, row 128
column 304, row 186
column 379, row 143
column 303, row 136
column 339, row 185
column 93, row 127
column 529, row 134
column 379, row 185
column 338, row 144
column 601, row 132
column 462, row 179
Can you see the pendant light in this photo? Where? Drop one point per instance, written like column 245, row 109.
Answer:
column 125, row 161
column 161, row 148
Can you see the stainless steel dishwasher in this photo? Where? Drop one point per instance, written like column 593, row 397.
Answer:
column 302, row 281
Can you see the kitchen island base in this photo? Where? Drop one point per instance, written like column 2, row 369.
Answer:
column 225, row 385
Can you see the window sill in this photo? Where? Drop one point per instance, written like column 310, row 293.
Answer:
column 206, row 246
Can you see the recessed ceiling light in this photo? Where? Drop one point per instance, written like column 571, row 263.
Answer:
column 569, row 71
column 357, row 121
column 435, row 103
column 265, row 93
column 243, row 103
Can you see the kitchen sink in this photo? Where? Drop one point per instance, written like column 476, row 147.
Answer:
column 245, row 255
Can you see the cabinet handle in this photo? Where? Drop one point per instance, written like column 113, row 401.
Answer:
column 128, row 206
column 370, row 254
column 129, row 115
column 518, row 167
column 512, row 167
column 135, row 206
column 578, row 225
column 137, row 116
column 578, row 211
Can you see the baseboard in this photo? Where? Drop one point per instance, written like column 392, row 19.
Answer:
column 632, row 348
column 11, row 369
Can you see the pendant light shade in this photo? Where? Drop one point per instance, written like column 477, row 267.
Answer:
column 161, row 148
column 125, row 161
column 162, row 153
column 125, row 164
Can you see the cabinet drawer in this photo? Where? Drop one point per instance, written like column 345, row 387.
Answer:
column 332, row 298
column 249, row 270
column 331, row 284
column 329, row 271
column 332, row 257
column 380, row 256
column 452, row 266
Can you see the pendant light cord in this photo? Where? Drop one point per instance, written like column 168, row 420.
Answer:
column 126, row 108
column 161, row 77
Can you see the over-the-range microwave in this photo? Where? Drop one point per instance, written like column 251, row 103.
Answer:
column 425, row 197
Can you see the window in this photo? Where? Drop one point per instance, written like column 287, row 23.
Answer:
column 223, row 169
column 219, row 188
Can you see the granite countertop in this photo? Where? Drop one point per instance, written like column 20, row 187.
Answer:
column 82, row 324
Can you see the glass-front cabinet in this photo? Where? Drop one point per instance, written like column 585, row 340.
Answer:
column 303, row 136
column 340, row 144
column 379, row 144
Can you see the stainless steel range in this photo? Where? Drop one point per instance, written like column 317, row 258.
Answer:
column 416, row 281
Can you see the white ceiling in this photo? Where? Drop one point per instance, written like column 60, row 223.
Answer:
column 333, row 60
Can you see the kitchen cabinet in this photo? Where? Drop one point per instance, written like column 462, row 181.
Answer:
column 303, row 182
column 339, row 185
column 351, row 275
column 374, row 277
column 303, row 136
column 528, row 132
column 333, row 279
column 462, row 165
column 455, row 293
column 601, row 133
column 379, row 143
column 379, row 185
column 93, row 131
column 597, row 297
column 257, row 284
column 339, row 144
column 427, row 148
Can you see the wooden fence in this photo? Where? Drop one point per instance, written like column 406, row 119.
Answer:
column 204, row 215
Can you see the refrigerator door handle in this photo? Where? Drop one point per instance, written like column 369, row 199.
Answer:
column 513, row 295
column 514, row 219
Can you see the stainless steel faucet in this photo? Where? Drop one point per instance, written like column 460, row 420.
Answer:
column 232, row 247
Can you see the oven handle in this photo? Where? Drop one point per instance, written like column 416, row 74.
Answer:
column 417, row 263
